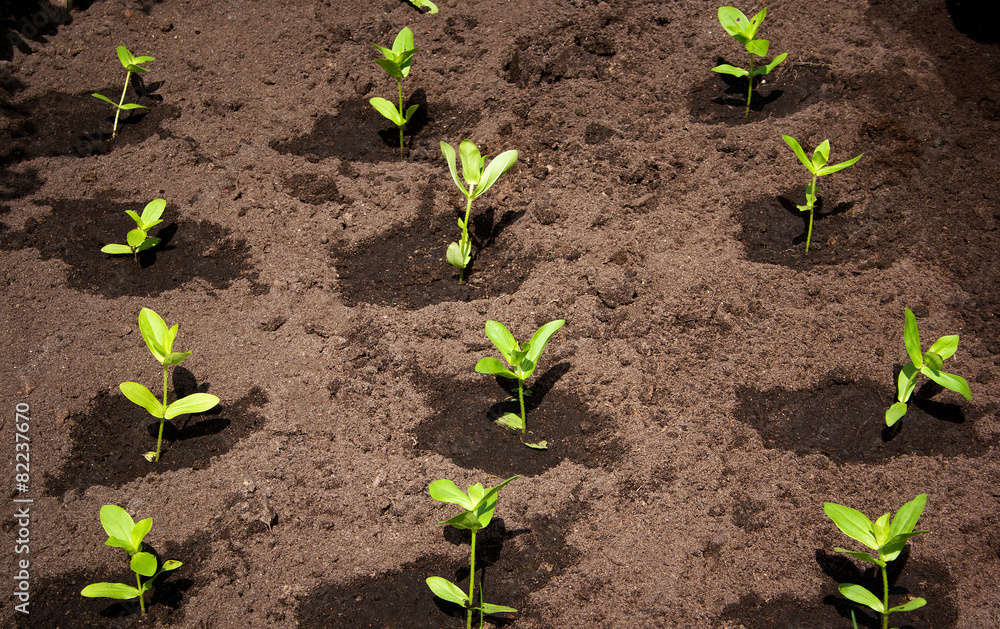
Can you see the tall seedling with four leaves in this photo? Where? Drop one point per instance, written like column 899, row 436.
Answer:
column 743, row 30
column 396, row 62
column 479, row 505
column 160, row 341
column 928, row 363
column 479, row 177
column 888, row 540
column 131, row 64
column 817, row 166
column 139, row 239
column 523, row 361
column 124, row 533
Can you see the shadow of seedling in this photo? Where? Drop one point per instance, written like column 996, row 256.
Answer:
column 420, row 119
column 941, row 411
column 147, row 258
column 489, row 547
column 211, row 422
column 736, row 92
column 484, row 232
column 843, row 570
column 167, row 590
column 793, row 210
column 532, row 397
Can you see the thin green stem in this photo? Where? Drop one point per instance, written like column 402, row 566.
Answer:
column 811, row 203
column 885, row 595
column 159, row 439
column 465, row 245
column 142, row 599
column 472, row 579
column 520, row 396
column 121, row 101
column 750, row 87
column 401, row 114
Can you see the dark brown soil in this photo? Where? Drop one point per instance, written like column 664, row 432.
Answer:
column 713, row 386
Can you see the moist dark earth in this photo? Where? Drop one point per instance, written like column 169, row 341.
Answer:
column 713, row 385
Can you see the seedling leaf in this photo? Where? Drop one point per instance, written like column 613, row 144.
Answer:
column 115, row 249
column 144, row 564
column 445, row 490
column 909, row 606
column 490, row 608
column 500, row 165
column 512, row 421
column 503, row 340
column 725, row 68
column 958, row 384
column 861, row 595
column 945, row 347
column 895, row 413
column 387, row 109
column 443, row 588
column 194, row 403
column 118, row 591
column 493, row 367
column 118, row 524
column 140, row 395
column 911, row 338
column 540, row 339
column 851, row 523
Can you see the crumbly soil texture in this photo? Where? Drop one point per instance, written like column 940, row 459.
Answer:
column 714, row 383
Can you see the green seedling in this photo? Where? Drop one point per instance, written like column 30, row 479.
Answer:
column 425, row 4
column 138, row 239
column 817, row 166
column 479, row 177
column 160, row 341
column 523, row 360
column 396, row 62
column 123, row 532
column 743, row 30
column 479, row 504
column 887, row 540
column 928, row 363
column 131, row 64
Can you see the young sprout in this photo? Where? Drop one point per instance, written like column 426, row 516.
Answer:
column 123, row 532
column 396, row 62
column 817, row 166
column 425, row 4
column 479, row 504
column 131, row 64
column 887, row 540
column 160, row 342
column 523, row 360
column 743, row 30
column 479, row 177
column 138, row 239
column 928, row 363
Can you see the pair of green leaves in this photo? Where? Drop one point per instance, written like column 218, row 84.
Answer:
column 138, row 239
column 817, row 165
column 744, row 30
column 396, row 61
column 522, row 360
column 479, row 504
column 131, row 64
column 479, row 176
column 160, row 341
column 124, row 533
column 928, row 363
column 886, row 538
